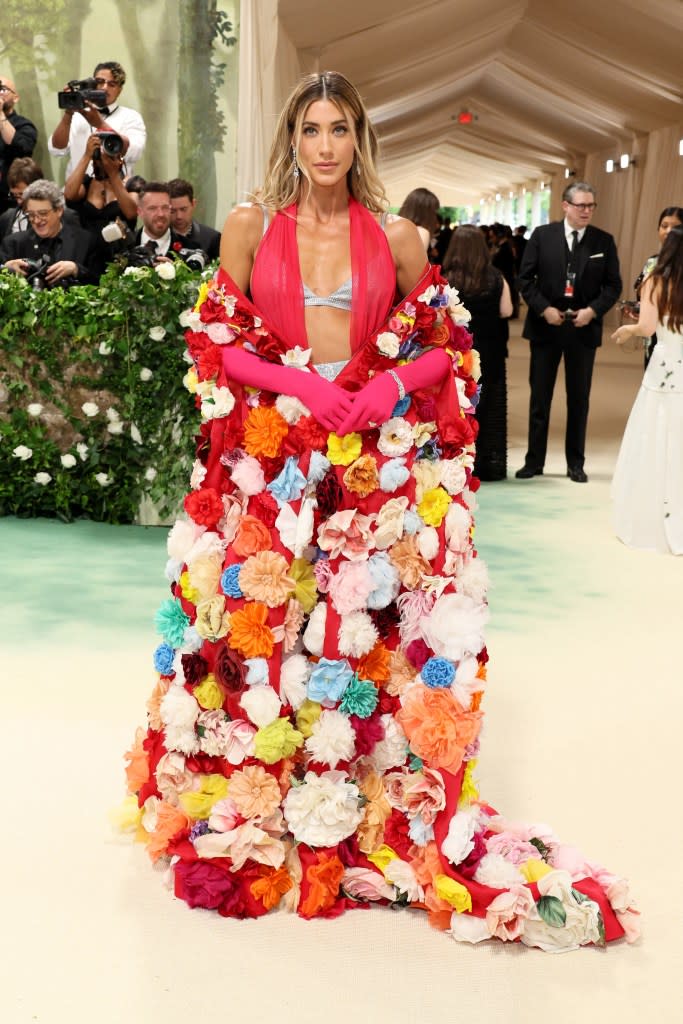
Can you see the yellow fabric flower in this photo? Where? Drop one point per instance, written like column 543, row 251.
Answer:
column 342, row 451
column 212, row 621
column 434, row 506
column 209, row 694
column 189, row 592
column 191, row 380
column 306, row 717
column 382, row 857
column 533, row 869
column 305, row 590
column 204, row 574
column 127, row 817
column 453, row 892
column 469, row 792
column 201, row 297
column 198, row 804
column 277, row 740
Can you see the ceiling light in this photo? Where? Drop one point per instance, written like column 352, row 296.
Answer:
column 680, row 148
column 497, row 197
column 609, row 166
column 624, row 161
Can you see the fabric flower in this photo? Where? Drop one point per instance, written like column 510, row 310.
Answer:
column 250, row 634
column 324, row 810
column 171, row 621
column 251, row 536
column 395, row 437
column 230, row 581
column 391, row 751
column 328, row 681
column 366, row 884
column 437, row 672
column 342, row 451
column 434, row 506
column 208, row 694
column 385, row 579
column 291, row 409
column 314, row 634
column 350, row 587
column 496, row 872
column 346, row 533
column 438, row 728
column 455, row 626
column 453, row 476
column 204, row 506
column 288, row 632
column 254, row 792
column 247, row 474
column 277, row 740
column 581, row 918
column 264, row 577
column 261, row 704
column 213, row 621
column 289, row 484
column 427, row 477
column 294, row 675
column 332, row 739
column 360, row 698
column 305, row 591
column 163, row 659
column 361, row 477
column 389, row 526
column 507, row 913
column 410, row 564
column 393, row 475
column 388, row 343
column 459, row 843
column 357, row 634
column 264, row 431
column 179, row 711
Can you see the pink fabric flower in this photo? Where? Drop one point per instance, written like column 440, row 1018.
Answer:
column 506, row 914
column 322, row 571
column 347, row 533
column 513, row 848
column 350, row 587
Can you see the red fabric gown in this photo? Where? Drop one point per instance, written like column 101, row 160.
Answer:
column 313, row 733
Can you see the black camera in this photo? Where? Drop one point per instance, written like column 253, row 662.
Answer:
column 110, row 142
column 142, row 255
column 195, row 259
column 36, row 270
column 80, row 91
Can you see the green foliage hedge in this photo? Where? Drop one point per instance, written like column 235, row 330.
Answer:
column 63, row 350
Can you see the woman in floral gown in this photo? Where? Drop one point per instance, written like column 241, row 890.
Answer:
column 313, row 733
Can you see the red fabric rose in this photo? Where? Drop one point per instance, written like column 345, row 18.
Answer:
column 461, row 339
column 418, row 653
column 396, row 834
column 309, row 434
column 209, row 363
column 194, row 668
column 329, row 494
column 386, row 620
column 264, row 507
column 202, row 883
column 204, row 506
column 369, row 731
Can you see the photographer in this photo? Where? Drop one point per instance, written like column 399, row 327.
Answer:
column 72, row 132
column 64, row 251
column 100, row 198
column 156, row 234
column 17, row 137
column 194, row 235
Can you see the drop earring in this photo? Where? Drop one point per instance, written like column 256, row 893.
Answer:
column 295, row 166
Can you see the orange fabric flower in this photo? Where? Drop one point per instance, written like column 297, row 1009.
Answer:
column 137, row 769
column 362, row 477
column 252, row 536
column 324, row 879
column 264, row 431
column 440, row 335
column 426, row 863
column 263, row 577
column 170, row 821
column 437, row 726
column 154, row 704
column 271, row 886
column 375, row 665
column 475, row 703
column 409, row 562
column 250, row 635
column 371, row 829
column 254, row 791
column 401, row 672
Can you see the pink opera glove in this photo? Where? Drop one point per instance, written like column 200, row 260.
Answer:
column 327, row 402
column 374, row 404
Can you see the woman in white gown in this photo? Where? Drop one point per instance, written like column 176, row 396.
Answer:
column 647, row 488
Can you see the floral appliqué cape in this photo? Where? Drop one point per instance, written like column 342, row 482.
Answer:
column 313, row 732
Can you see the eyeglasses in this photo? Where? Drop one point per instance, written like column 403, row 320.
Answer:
column 583, row 206
column 6, row 88
column 39, row 215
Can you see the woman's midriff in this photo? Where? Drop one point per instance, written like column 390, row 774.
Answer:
column 328, row 334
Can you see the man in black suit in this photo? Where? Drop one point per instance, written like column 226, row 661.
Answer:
column 64, row 251
column 157, row 233
column 194, row 234
column 17, row 137
column 569, row 278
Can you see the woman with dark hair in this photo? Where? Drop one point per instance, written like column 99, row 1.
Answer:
column 670, row 217
column 647, row 488
column 421, row 207
column 486, row 294
column 22, row 172
column 314, row 727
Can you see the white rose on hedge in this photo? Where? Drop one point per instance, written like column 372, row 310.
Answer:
column 34, row 409
column 146, row 373
column 166, row 271
column 22, row 452
column 103, row 479
column 68, row 460
column 157, row 333
column 90, row 409
column 42, row 478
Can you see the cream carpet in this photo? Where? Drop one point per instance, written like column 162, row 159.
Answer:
column 583, row 730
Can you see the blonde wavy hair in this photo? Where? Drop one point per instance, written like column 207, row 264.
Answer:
column 281, row 187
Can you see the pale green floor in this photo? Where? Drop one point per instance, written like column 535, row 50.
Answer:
column 582, row 729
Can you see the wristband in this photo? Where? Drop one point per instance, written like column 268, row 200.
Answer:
column 399, row 384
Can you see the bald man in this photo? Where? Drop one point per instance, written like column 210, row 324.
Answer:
column 17, row 136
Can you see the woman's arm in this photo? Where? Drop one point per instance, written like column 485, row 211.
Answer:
column 505, row 306
column 647, row 319
column 127, row 205
column 408, row 252
column 74, row 187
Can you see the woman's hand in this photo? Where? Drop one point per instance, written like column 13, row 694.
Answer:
column 373, row 405
column 329, row 404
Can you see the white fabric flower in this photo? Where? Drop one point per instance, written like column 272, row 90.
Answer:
column 166, row 271
column 257, row 671
column 295, row 530
column 90, row 409
column 314, row 634
column 103, row 479
column 180, row 539
column 22, row 452
column 428, row 294
column 388, row 343
column 42, row 478
column 291, row 409
column 220, row 402
column 496, row 871
column 473, row 579
column 157, row 333
column 34, row 409
column 458, row 844
column 453, row 476
column 296, row 356
column 395, row 437
column 179, row 711
column 402, row 875
column 428, row 543
column 324, row 810
column 466, row 681
column 146, row 374
column 190, row 318
column 332, row 739
column 82, row 450
column 357, row 634
column 391, row 751
column 68, row 460
column 207, row 544
column 261, row 704
column 455, row 626
column 248, row 475
column 197, row 475
column 293, row 678
column 468, row 928
column 581, row 925
column 220, row 334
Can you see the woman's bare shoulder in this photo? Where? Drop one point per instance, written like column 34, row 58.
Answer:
column 245, row 220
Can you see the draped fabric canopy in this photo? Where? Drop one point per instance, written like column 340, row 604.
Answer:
column 551, row 86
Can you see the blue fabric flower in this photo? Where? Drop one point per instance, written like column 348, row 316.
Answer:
column 393, row 475
column 401, row 407
column 420, row 833
column 200, row 828
column 328, row 681
column 440, row 299
column 360, row 698
column 474, row 399
column 429, row 450
column 257, row 671
column 289, row 484
column 171, row 621
column 230, row 584
column 412, row 522
column 192, row 641
column 437, row 673
column 163, row 659
column 317, row 467
column 386, row 579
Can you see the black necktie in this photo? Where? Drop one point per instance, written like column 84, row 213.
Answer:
column 572, row 251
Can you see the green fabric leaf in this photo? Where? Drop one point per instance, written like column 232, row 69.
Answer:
column 552, row 911
column 541, row 847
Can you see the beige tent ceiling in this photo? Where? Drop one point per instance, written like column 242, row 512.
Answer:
column 548, row 82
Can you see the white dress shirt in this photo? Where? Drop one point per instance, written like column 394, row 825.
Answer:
column 568, row 233
column 122, row 119
column 163, row 244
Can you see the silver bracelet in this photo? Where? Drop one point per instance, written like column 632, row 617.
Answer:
column 399, row 384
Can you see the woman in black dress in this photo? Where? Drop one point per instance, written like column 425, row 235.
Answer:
column 486, row 294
